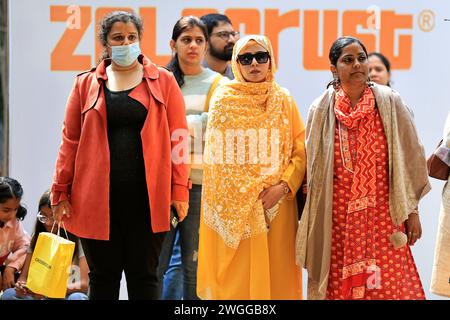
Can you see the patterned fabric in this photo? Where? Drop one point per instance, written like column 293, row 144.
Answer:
column 408, row 178
column 440, row 278
column 359, row 158
column 195, row 91
column 361, row 117
column 14, row 242
column 364, row 264
column 248, row 147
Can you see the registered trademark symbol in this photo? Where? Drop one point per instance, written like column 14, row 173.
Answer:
column 426, row 20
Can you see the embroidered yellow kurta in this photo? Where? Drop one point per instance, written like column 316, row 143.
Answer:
column 262, row 266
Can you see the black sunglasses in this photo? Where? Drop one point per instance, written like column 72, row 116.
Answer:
column 247, row 58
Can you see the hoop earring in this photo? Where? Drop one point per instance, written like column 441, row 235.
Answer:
column 369, row 82
column 336, row 83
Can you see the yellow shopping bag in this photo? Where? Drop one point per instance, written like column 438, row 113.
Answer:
column 50, row 265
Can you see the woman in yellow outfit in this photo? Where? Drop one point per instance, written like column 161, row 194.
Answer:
column 254, row 163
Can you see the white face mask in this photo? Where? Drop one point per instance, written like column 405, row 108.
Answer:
column 125, row 55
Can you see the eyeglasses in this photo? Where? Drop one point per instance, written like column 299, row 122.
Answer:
column 247, row 58
column 225, row 34
column 43, row 218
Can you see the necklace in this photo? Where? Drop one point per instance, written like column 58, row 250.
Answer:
column 125, row 69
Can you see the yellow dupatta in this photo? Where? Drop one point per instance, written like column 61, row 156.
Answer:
column 248, row 148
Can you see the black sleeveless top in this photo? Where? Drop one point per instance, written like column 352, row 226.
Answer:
column 125, row 120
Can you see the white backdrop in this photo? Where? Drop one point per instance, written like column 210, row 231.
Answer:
column 38, row 91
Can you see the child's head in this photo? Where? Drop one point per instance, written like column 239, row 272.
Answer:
column 45, row 214
column 10, row 195
column 45, row 221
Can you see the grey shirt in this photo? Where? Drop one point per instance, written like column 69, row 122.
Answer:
column 228, row 72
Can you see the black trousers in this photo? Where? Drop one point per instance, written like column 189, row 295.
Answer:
column 132, row 248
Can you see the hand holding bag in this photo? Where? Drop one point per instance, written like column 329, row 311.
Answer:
column 50, row 264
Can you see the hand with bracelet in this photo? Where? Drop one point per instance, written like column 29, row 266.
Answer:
column 413, row 228
column 273, row 194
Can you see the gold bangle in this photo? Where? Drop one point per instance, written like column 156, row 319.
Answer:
column 285, row 187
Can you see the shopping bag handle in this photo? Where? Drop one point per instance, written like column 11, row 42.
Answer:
column 59, row 227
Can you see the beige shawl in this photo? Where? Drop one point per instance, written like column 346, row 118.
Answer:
column 408, row 178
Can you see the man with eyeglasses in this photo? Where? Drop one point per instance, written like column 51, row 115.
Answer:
column 222, row 38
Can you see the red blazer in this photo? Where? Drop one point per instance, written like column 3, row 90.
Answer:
column 83, row 164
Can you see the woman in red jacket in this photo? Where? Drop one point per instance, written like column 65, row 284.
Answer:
column 121, row 163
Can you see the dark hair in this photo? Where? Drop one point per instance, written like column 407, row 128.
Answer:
column 44, row 202
column 212, row 20
column 108, row 21
column 384, row 60
column 39, row 227
column 182, row 25
column 12, row 189
column 336, row 51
